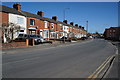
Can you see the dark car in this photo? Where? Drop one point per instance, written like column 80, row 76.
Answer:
column 65, row 39
column 84, row 38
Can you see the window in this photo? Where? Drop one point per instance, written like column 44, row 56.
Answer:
column 46, row 24
column 20, row 20
column 53, row 35
column 113, row 30
column 52, row 25
column 110, row 30
column 46, row 34
column 61, row 28
column 32, row 22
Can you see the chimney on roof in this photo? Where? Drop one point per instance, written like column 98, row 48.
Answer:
column 76, row 25
column 82, row 27
column 54, row 18
column 71, row 23
column 65, row 21
column 17, row 6
column 40, row 13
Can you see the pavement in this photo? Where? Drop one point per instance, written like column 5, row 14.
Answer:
column 41, row 46
column 114, row 71
column 78, row 60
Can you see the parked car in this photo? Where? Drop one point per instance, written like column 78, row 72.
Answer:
column 36, row 39
column 23, row 37
column 65, row 38
column 42, row 40
column 83, row 38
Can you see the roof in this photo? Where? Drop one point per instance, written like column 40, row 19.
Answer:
column 9, row 10
column 115, row 27
column 24, row 13
column 27, row 14
column 112, row 28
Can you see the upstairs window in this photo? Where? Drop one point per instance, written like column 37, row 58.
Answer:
column 61, row 28
column 45, row 24
column 20, row 20
column 32, row 22
column 110, row 30
column 113, row 30
column 52, row 25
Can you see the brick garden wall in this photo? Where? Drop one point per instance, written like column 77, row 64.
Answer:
column 13, row 45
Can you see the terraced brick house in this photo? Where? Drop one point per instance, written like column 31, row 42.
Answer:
column 38, row 24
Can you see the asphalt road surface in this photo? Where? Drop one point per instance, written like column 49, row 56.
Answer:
column 78, row 60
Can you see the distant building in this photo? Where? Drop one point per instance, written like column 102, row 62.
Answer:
column 112, row 33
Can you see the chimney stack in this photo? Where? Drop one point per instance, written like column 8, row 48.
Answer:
column 17, row 6
column 71, row 23
column 40, row 13
column 82, row 27
column 76, row 25
column 54, row 18
column 65, row 21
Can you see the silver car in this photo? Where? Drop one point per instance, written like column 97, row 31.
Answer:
column 42, row 40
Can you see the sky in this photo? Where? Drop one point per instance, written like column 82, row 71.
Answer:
column 100, row 15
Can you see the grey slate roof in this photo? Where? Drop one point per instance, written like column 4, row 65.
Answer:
column 27, row 14
column 9, row 10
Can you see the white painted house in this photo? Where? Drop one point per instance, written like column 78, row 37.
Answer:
column 66, row 31
column 18, row 20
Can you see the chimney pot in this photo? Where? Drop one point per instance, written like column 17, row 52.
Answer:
column 40, row 13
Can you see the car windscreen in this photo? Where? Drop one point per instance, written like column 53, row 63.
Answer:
column 39, row 36
column 20, row 35
column 32, row 36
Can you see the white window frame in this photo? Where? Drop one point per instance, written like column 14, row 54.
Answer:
column 46, row 24
column 33, row 22
column 20, row 20
column 52, row 25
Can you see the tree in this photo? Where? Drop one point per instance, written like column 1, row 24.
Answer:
column 9, row 30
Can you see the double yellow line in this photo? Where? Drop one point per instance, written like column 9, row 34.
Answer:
column 100, row 68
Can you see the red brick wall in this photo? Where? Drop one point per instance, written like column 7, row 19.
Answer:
column 13, row 45
column 3, row 18
column 39, row 23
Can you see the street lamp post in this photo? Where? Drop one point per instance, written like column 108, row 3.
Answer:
column 64, row 19
column 87, row 27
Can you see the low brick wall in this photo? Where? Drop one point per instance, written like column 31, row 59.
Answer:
column 13, row 45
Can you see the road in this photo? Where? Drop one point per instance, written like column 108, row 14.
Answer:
column 78, row 60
